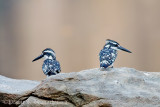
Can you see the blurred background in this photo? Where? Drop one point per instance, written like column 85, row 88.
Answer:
column 76, row 30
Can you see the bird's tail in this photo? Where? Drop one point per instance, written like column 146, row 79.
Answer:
column 53, row 73
column 103, row 65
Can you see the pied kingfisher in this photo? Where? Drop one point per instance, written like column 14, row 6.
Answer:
column 50, row 65
column 108, row 54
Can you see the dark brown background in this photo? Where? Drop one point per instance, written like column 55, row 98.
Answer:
column 76, row 30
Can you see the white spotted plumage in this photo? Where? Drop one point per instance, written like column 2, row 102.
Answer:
column 50, row 65
column 108, row 54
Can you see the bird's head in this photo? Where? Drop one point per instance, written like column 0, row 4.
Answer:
column 47, row 54
column 115, row 45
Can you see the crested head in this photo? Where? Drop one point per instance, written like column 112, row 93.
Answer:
column 48, row 50
column 108, row 41
column 49, row 53
column 111, row 44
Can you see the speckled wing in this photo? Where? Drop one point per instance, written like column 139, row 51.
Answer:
column 51, row 67
column 107, row 57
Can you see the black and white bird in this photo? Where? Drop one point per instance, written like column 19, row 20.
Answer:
column 108, row 54
column 50, row 65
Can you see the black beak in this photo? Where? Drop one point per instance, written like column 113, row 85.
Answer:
column 124, row 49
column 39, row 57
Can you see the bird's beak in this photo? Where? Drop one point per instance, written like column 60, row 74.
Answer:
column 39, row 57
column 124, row 49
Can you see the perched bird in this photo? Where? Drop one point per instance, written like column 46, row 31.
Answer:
column 108, row 54
column 50, row 65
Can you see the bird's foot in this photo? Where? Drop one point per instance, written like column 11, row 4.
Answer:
column 105, row 69
column 111, row 67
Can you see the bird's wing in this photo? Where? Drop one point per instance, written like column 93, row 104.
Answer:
column 55, row 67
column 105, row 58
column 51, row 67
column 104, row 55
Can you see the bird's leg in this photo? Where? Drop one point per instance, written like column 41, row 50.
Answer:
column 112, row 65
column 47, row 76
column 102, row 69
